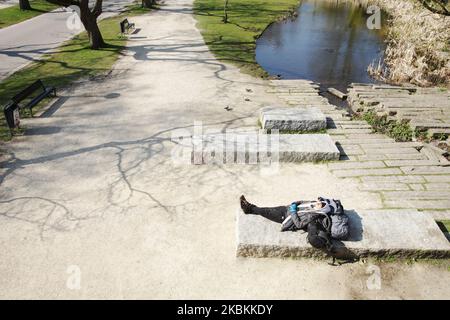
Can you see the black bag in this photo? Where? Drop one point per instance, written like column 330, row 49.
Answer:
column 318, row 236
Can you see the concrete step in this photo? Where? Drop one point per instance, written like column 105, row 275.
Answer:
column 292, row 118
column 378, row 233
column 255, row 148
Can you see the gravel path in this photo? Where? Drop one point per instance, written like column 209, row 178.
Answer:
column 92, row 190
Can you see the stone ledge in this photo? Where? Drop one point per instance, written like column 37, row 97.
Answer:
column 378, row 233
column 258, row 148
column 293, row 118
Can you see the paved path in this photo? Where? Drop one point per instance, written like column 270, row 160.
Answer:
column 24, row 42
column 7, row 3
column 92, row 188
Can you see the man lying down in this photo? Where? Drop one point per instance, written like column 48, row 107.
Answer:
column 323, row 219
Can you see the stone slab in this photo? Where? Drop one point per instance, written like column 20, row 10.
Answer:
column 380, row 233
column 292, row 118
column 262, row 148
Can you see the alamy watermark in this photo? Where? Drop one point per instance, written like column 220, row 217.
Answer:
column 73, row 22
column 73, row 281
column 234, row 146
column 373, row 282
column 374, row 20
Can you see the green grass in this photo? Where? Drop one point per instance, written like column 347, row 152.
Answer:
column 13, row 15
column 235, row 41
column 73, row 61
column 444, row 225
column 399, row 130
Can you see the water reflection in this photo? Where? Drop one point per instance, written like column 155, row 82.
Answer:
column 328, row 42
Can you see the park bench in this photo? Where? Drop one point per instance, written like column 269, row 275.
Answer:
column 12, row 117
column 125, row 25
column 27, row 95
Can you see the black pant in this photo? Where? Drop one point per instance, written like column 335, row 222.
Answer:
column 276, row 214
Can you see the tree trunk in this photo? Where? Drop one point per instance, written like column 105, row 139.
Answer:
column 148, row 3
column 225, row 12
column 24, row 5
column 89, row 21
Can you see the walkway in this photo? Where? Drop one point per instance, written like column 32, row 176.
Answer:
column 93, row 186
column 27, row 41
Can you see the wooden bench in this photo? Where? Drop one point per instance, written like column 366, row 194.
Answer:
column 37, row 86
column 12, row 117
column 125, row 26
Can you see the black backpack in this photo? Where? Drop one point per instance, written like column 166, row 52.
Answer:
column 318, row 236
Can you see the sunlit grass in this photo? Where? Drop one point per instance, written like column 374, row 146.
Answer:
column 74, row 60
column 12, row 15
column 235, row 41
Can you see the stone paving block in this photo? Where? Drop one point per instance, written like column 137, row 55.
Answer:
column 438, row 178
column 370, row 157
column 349, row 131
column 401, row 163
column 356, row 165
column 400, row 233
column 438, row 214
column 365, row 136
column 418, row 204
column 382, row 150
column 379, row 186
column 307, row 147
column 411, row 156
column 437, row 186
column 254, row 148
column 402, row 179
column 392, row 145
column 425, row 170
column 366, row 172
column 365, row 141
column 417, row 195
column 416, row 186
column 292, row 118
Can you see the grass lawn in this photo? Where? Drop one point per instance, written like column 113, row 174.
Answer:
column 13, row 15
column 235, row 41
column 444, row 225
column 74, row 60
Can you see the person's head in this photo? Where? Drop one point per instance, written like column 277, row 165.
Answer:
column 318, row 204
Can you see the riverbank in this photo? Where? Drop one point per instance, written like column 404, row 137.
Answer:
column 417, row 40
column 418, row 45
column 235, row 42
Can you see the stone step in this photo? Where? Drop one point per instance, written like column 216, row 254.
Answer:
column 429, row 125
column 349, row 131
column 383, row 186
column 402, row 179
column 356, row 165
column 437, row 186
column 425, row 170
column 262, row 148
column 436, row 132
column 366, row 172
column 292, row 118
column 418, row 204
column 417, row 195
column 376, row 233
column 392, row 156
column 401, row 163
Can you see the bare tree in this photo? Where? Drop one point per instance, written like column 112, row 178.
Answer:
column 88, row 17
column 24, row 5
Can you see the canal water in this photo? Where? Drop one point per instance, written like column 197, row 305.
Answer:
column 328, row 42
